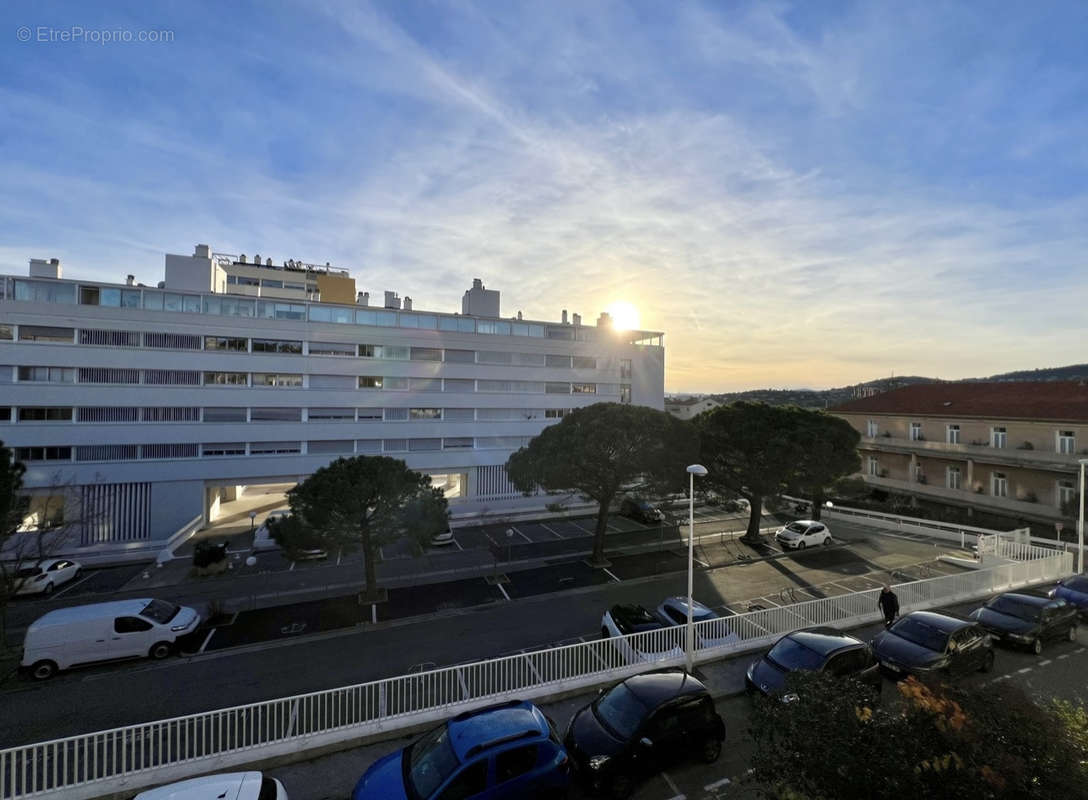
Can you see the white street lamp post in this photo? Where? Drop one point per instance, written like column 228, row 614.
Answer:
column 689, row 638
column 1080, row 520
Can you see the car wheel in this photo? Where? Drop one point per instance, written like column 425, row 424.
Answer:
column 48, row 590
column 1037, row 646
column 160, row 650
column 800, row 545
column 1072, row 633
column 988, row 662
column 711, row 750
column 619, row 787
column 43, row 670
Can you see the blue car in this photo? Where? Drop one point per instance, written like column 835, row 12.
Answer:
column 501, row 752
column 1074, row 591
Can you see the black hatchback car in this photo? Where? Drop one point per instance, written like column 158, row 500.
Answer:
column 928, row 643
column 1027, row 620
column 819, row 649
column 643, row 725
column 641, row 510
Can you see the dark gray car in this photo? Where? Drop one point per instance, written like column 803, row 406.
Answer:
column 927, row 643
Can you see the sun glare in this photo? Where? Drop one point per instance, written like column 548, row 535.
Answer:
column 624, row 315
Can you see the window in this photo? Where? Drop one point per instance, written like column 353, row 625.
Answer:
column 625, row 393
column 396, row 414
column 555, row 413
column 277, row 379
column 556, row 388
column 332, row 349
column 44, row 333
column 370, row 415
column 130, row 625
column 625, row 368
column 458, row 384
column 5, row 332
column 109, row 338
column 224, row 414
column 346, row 382
column 224, row 449
column 45, row 292
column 274, row 414
column 226, row 378
column 870, row 428
column 47, row 374
column 45, row 414
column 274, row 448
column 952, row 434
column 424, row 413
column 181, row 303
column 874, row 466
column 395, row 445
column 998, row 437
column 426, row 354
column 425, row 384
column 529, row 359
column 5, row 413
column 388, row 352
column 999, row 485
column 952, row 477
column 457, row 443
column 330, row 446
column 271, row 310
column 512, row 763
column 43, row 454
column 584, row 362
column 1067, row 492
column 471, row 781
column 287, row 346
column 171, row 377
column 370, row 382
column 459, row 414
column 107, row 452
column 268, row 283
column 494, row 357
column 460, row 356
column 176, row 414
column 168, row 451
column 174, row 341
column 453, row 484
column 552, row 360
column 583, row 388
column 340, row 414
column 424, row 445
column 228, row 306
column 226, row 343
column 916, row 432
column 108, row 375
column 1067, row 440
column 368, row 446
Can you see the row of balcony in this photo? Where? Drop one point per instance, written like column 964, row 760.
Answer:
column 985, row 454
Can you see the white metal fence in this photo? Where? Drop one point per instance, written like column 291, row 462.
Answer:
column 135, row 756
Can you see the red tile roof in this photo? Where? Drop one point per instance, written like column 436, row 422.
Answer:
column 1049, row 400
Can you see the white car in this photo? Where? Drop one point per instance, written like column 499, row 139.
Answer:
column 443, row 538
column 661, row 642
column 803, row 533
column 228, row 786
column 674, row 610
column 262, row 538
column 45, row 576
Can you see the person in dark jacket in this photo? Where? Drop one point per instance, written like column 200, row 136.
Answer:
column 889, row 604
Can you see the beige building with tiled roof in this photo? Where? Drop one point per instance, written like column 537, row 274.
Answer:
column 1008, row 448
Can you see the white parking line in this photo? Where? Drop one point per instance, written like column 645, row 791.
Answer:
column 457, row 544
column 207, row 639
column 1044, row 662
column 710, row 787
column 611, row 574
column 549, row 530
column 291, row 567
column 1022, row 671
column 845, row 589
column 678, row 794
column 1064, row 655
column 522, row 535
column 503, row 590
column 576, row 524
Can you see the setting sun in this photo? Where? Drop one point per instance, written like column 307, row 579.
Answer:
column 624, row 315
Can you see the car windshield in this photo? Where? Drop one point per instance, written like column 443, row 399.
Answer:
column 921, row 634
column 620, row 711
column 160, row 611
column 28, row 572
column 1012, row 608
column 797, row 527
column 791, row 655
column 429, row 762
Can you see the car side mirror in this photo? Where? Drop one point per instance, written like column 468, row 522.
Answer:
column 646, row 742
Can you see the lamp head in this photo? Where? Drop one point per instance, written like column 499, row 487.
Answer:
column 697, row 469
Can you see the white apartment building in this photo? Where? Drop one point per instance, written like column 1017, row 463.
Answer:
column 141, row 406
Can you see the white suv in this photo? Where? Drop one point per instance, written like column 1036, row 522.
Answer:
column 803, row 533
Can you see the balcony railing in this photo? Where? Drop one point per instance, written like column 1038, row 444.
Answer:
column 1040, row 459
column 966, row 497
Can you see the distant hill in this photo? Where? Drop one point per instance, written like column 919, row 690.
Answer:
column 825, row 398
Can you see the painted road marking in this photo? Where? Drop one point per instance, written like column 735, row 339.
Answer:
column 844, row 589
column 610, row 574
column 677, row 794
column 700, row 562
column 1044, row 662
column 710, row 787
column 576, row 524
column 72, row 585
column 1064, row 655
column 1022, row 671
column 1079, row 650
column 503, row 590
column 207, row 639
column 293, row 565
column 549, row 530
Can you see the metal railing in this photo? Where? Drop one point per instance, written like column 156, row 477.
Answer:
column 136, row 756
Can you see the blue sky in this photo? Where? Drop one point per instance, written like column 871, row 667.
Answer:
column 804, row 194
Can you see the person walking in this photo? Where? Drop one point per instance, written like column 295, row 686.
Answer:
column 889, row 604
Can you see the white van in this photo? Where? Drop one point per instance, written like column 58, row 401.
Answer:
column 103, row 632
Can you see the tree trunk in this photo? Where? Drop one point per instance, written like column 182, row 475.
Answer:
column 754, row 516
column 371, row 584
column 600, row 531
column 817, row 504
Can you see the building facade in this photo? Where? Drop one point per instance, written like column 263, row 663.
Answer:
column 139, row 408
column 690, row 407
column 1007, row 448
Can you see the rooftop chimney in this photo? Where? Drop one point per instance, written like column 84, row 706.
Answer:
column 605, row 320
column 257, row 259
column 565, row 317
column 519, row 315
column 242, row 258
column 363, row 298
column 130, row 280
column 391, row 300
column 407, row 303
column 479, row 301
column 577, row 319
column 268, row 262
column 202, row 251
